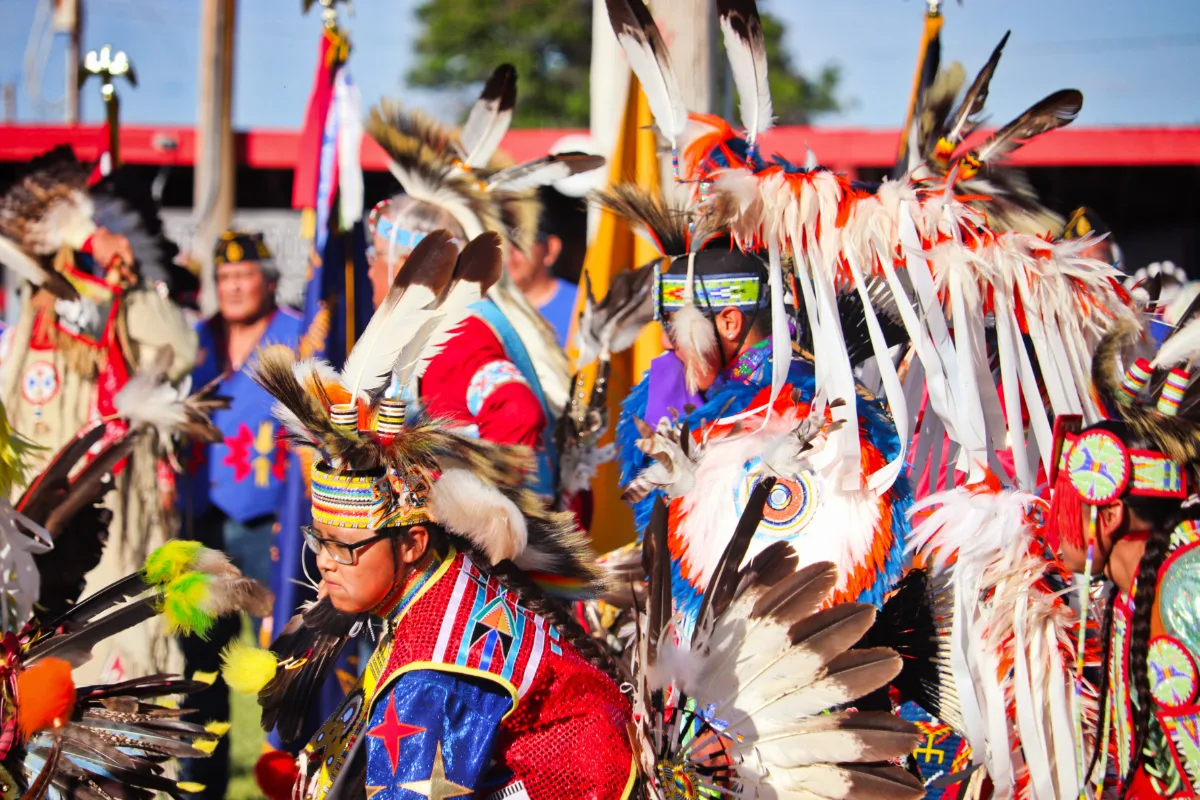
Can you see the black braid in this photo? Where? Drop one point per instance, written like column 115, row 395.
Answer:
column 1106, row 680
column 1146, row 590
column 536, row 600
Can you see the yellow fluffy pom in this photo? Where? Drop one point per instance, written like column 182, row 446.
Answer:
column 246, row 669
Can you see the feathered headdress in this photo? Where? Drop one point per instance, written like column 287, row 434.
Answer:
column 918, row 248
column 979, row 175
column 465, row 174
column 43, row 212
column 376, row 468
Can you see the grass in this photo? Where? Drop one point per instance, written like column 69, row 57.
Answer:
column 246, row 741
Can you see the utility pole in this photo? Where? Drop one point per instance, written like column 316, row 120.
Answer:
column 68, row 19
column 214, row 187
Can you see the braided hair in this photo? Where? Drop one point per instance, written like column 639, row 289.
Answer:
column 1162, row 515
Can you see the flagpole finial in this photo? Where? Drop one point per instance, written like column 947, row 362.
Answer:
column 328, row 10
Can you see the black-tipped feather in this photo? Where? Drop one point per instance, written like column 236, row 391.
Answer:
column 966, row 117
column 723, row 585
column 543, row 171
column 656, row 560
column 1050, row 113
column 490, row 117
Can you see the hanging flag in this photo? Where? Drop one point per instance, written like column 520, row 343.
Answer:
column 328, row 172
column 615, row 249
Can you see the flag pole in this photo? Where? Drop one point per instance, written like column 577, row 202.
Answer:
column 929, row 33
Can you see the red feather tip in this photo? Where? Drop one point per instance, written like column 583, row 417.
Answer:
column 275, row 772
column 45, row 696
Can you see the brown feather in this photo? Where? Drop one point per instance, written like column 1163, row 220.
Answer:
column 1054, row 111
column 833, row 630
column 861, row 672
column 1106, row 367
column 667, row 222
column 966, row 116
column 798, row 595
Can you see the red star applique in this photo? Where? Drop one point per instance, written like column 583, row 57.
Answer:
column 391, row 732
column 279, row 467
column 239, row 453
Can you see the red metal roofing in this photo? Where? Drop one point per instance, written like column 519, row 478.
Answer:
column 841, row 149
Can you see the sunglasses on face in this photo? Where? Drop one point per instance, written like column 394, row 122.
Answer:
column 341, row 552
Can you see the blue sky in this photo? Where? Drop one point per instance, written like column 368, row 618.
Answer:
column 1137, row 61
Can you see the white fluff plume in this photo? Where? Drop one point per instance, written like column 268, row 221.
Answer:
column 153, row 402
column 479, row 512
column 1182, row 347
column 696, row 343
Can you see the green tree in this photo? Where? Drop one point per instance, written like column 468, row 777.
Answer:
column 550, row 44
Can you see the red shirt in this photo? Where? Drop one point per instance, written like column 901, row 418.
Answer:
column 473, row 382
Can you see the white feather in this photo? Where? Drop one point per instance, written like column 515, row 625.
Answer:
column 695, row 341
column 16, row 259
column 748, row 61
column 658, row 81
column 20, row 582
column 148, row 400
column 483, row 130
column 392, row 327
column 67, row 223
column 479, row 512
column 1183, row 346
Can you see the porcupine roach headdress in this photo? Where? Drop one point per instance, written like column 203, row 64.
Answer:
column 375, row 469
column 941, row 266
column 44, row 211
column 465, row 174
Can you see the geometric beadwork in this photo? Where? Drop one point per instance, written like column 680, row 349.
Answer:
column 1172, row 673
column 1098, row 466
column 742, row 291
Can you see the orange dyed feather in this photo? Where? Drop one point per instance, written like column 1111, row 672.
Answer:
column 45, row 696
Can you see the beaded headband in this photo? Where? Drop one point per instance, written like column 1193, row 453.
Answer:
column 1101, row 468
column 739, row 290
column 370, row 499
column 401, row 237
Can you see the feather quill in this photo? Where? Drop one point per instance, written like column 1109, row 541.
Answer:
column 648, row 57
column 490, row 117
column 747, row 52
column 417, row 284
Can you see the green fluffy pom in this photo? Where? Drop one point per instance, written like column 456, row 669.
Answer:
column 170, row 561
column 185, row 604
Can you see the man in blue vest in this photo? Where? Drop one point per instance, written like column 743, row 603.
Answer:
column 232, row 494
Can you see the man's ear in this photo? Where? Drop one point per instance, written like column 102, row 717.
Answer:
column 729, row 323
column 1109, row 519
column 413, row 546
column 553, row 250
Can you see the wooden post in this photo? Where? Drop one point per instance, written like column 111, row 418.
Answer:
column 69, row 18
column 214, row 188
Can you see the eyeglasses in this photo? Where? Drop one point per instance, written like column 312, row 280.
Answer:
column 341, row 552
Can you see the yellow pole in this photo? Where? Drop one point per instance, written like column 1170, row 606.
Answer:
column 930, row 31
